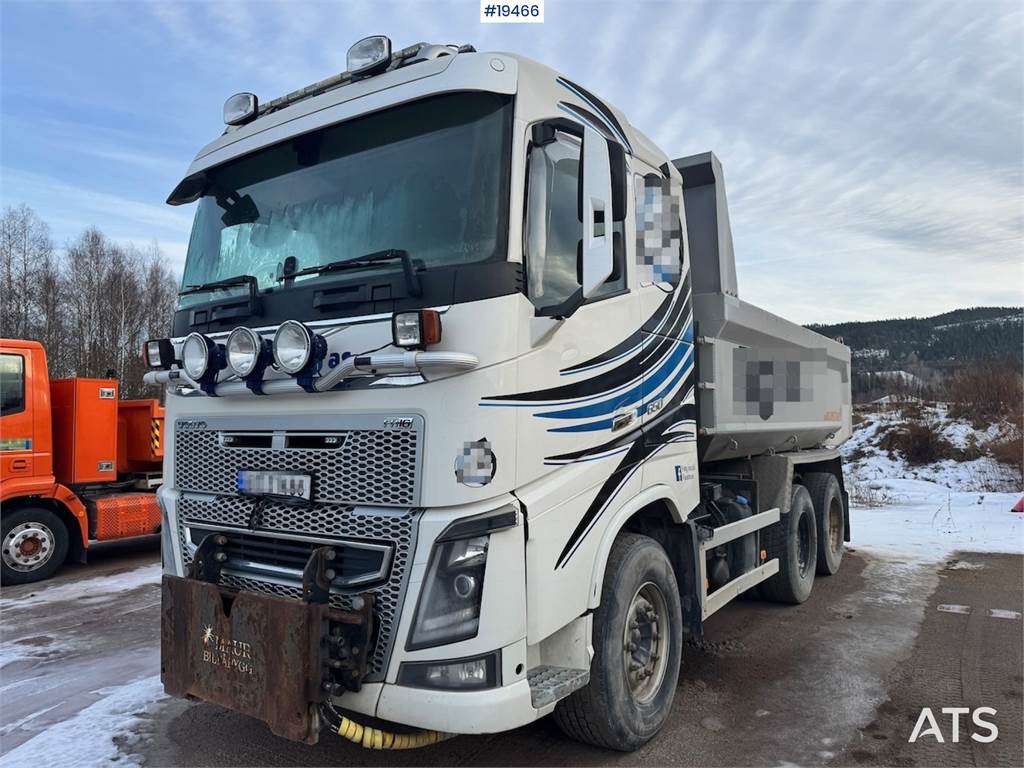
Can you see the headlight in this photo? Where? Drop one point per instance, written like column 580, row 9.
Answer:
column 293, row 346
column 197, row 355
column 449, row 606
column 243, row 351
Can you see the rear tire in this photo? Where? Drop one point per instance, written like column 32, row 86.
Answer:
column 794, row 541
column 33, row 545
column 828, row 509
column 622, row 709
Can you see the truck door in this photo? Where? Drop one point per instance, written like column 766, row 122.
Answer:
column 599, row 385
column 587, row 364
column 17, row 432
column 667, row 411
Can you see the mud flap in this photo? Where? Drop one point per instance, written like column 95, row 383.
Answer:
column 260, row 655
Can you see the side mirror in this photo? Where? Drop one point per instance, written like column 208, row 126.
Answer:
column 595, row 211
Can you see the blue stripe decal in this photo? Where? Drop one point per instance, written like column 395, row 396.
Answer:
column 633, row 395
column 664, row 370
column 595, row 426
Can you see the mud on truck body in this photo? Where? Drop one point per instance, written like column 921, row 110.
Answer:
column 468, row 424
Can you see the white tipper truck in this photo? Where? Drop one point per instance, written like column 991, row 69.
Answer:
column 467, row 423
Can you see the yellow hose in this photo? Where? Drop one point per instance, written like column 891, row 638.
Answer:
column 374, row 738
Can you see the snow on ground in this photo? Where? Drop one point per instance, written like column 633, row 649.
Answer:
column 33, row 649
column 922, row 520
column 927, row 512
column 867, row 463
column 99, row 734
column 85, row 591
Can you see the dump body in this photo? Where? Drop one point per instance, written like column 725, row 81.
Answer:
column 140, row 436
column 765, row 384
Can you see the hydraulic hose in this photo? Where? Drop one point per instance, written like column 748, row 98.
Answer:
column 369, row 737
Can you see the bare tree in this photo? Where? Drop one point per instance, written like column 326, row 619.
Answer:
column 93, row 309
column 25, row 249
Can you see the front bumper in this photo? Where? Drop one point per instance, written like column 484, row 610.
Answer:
column 489, row 711
column 502, row 621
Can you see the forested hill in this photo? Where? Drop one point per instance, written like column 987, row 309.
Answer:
column 947, row 339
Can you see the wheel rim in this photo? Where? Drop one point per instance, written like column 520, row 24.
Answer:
column 28, row 546
column 835, row 522
column 803, row 544
column 645, row 642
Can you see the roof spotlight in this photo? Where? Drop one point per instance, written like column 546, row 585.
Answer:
column 369, row 55
column 240, row 108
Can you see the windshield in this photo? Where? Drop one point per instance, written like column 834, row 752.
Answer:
column 429, row 178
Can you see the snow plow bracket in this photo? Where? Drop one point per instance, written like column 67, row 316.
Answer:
column 709, row 603
column 264, row 656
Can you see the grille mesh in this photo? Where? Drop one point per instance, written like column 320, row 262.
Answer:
column 332, row 521
column 375, row 467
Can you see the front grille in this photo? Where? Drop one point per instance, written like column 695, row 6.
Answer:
column 371, row 467
column 333, row 524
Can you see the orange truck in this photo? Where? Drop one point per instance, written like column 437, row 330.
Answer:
column 77, row 464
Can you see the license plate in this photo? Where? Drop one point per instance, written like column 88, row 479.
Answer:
column 284, row 484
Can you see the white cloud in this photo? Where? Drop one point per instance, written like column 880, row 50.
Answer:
column 872, row 150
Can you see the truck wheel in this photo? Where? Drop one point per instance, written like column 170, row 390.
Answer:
column 828, row 509
column 33, row 545
column 638, row 632
column 794, row 541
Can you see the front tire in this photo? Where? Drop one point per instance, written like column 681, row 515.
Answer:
column 638, row 632
column 794, row 541
column 33, row 545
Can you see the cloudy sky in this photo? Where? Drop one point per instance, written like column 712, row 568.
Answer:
column 873, row 151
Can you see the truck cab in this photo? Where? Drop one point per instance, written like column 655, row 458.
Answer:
column 433, row 409
column 76, row 464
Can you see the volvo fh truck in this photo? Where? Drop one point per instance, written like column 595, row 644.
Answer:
column 467, row 422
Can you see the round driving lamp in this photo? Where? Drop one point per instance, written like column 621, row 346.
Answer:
column 243, row 351
column 293, row 346
column 196, row 355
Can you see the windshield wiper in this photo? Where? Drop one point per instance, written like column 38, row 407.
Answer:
column 229, row 309
column 412, row 280
column 227, row 282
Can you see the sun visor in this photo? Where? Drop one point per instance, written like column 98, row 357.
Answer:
column 189, row 189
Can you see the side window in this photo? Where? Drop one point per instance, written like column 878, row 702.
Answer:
column 553, row 228
column 12, row 384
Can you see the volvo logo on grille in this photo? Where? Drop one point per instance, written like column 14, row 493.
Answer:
column 398, row 423
column 191, row 425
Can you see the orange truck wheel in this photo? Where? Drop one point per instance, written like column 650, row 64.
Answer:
column 33, row 545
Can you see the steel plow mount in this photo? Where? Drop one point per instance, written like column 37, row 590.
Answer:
column 265, row 656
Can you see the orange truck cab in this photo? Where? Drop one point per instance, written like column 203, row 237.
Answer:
column 77, row 464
